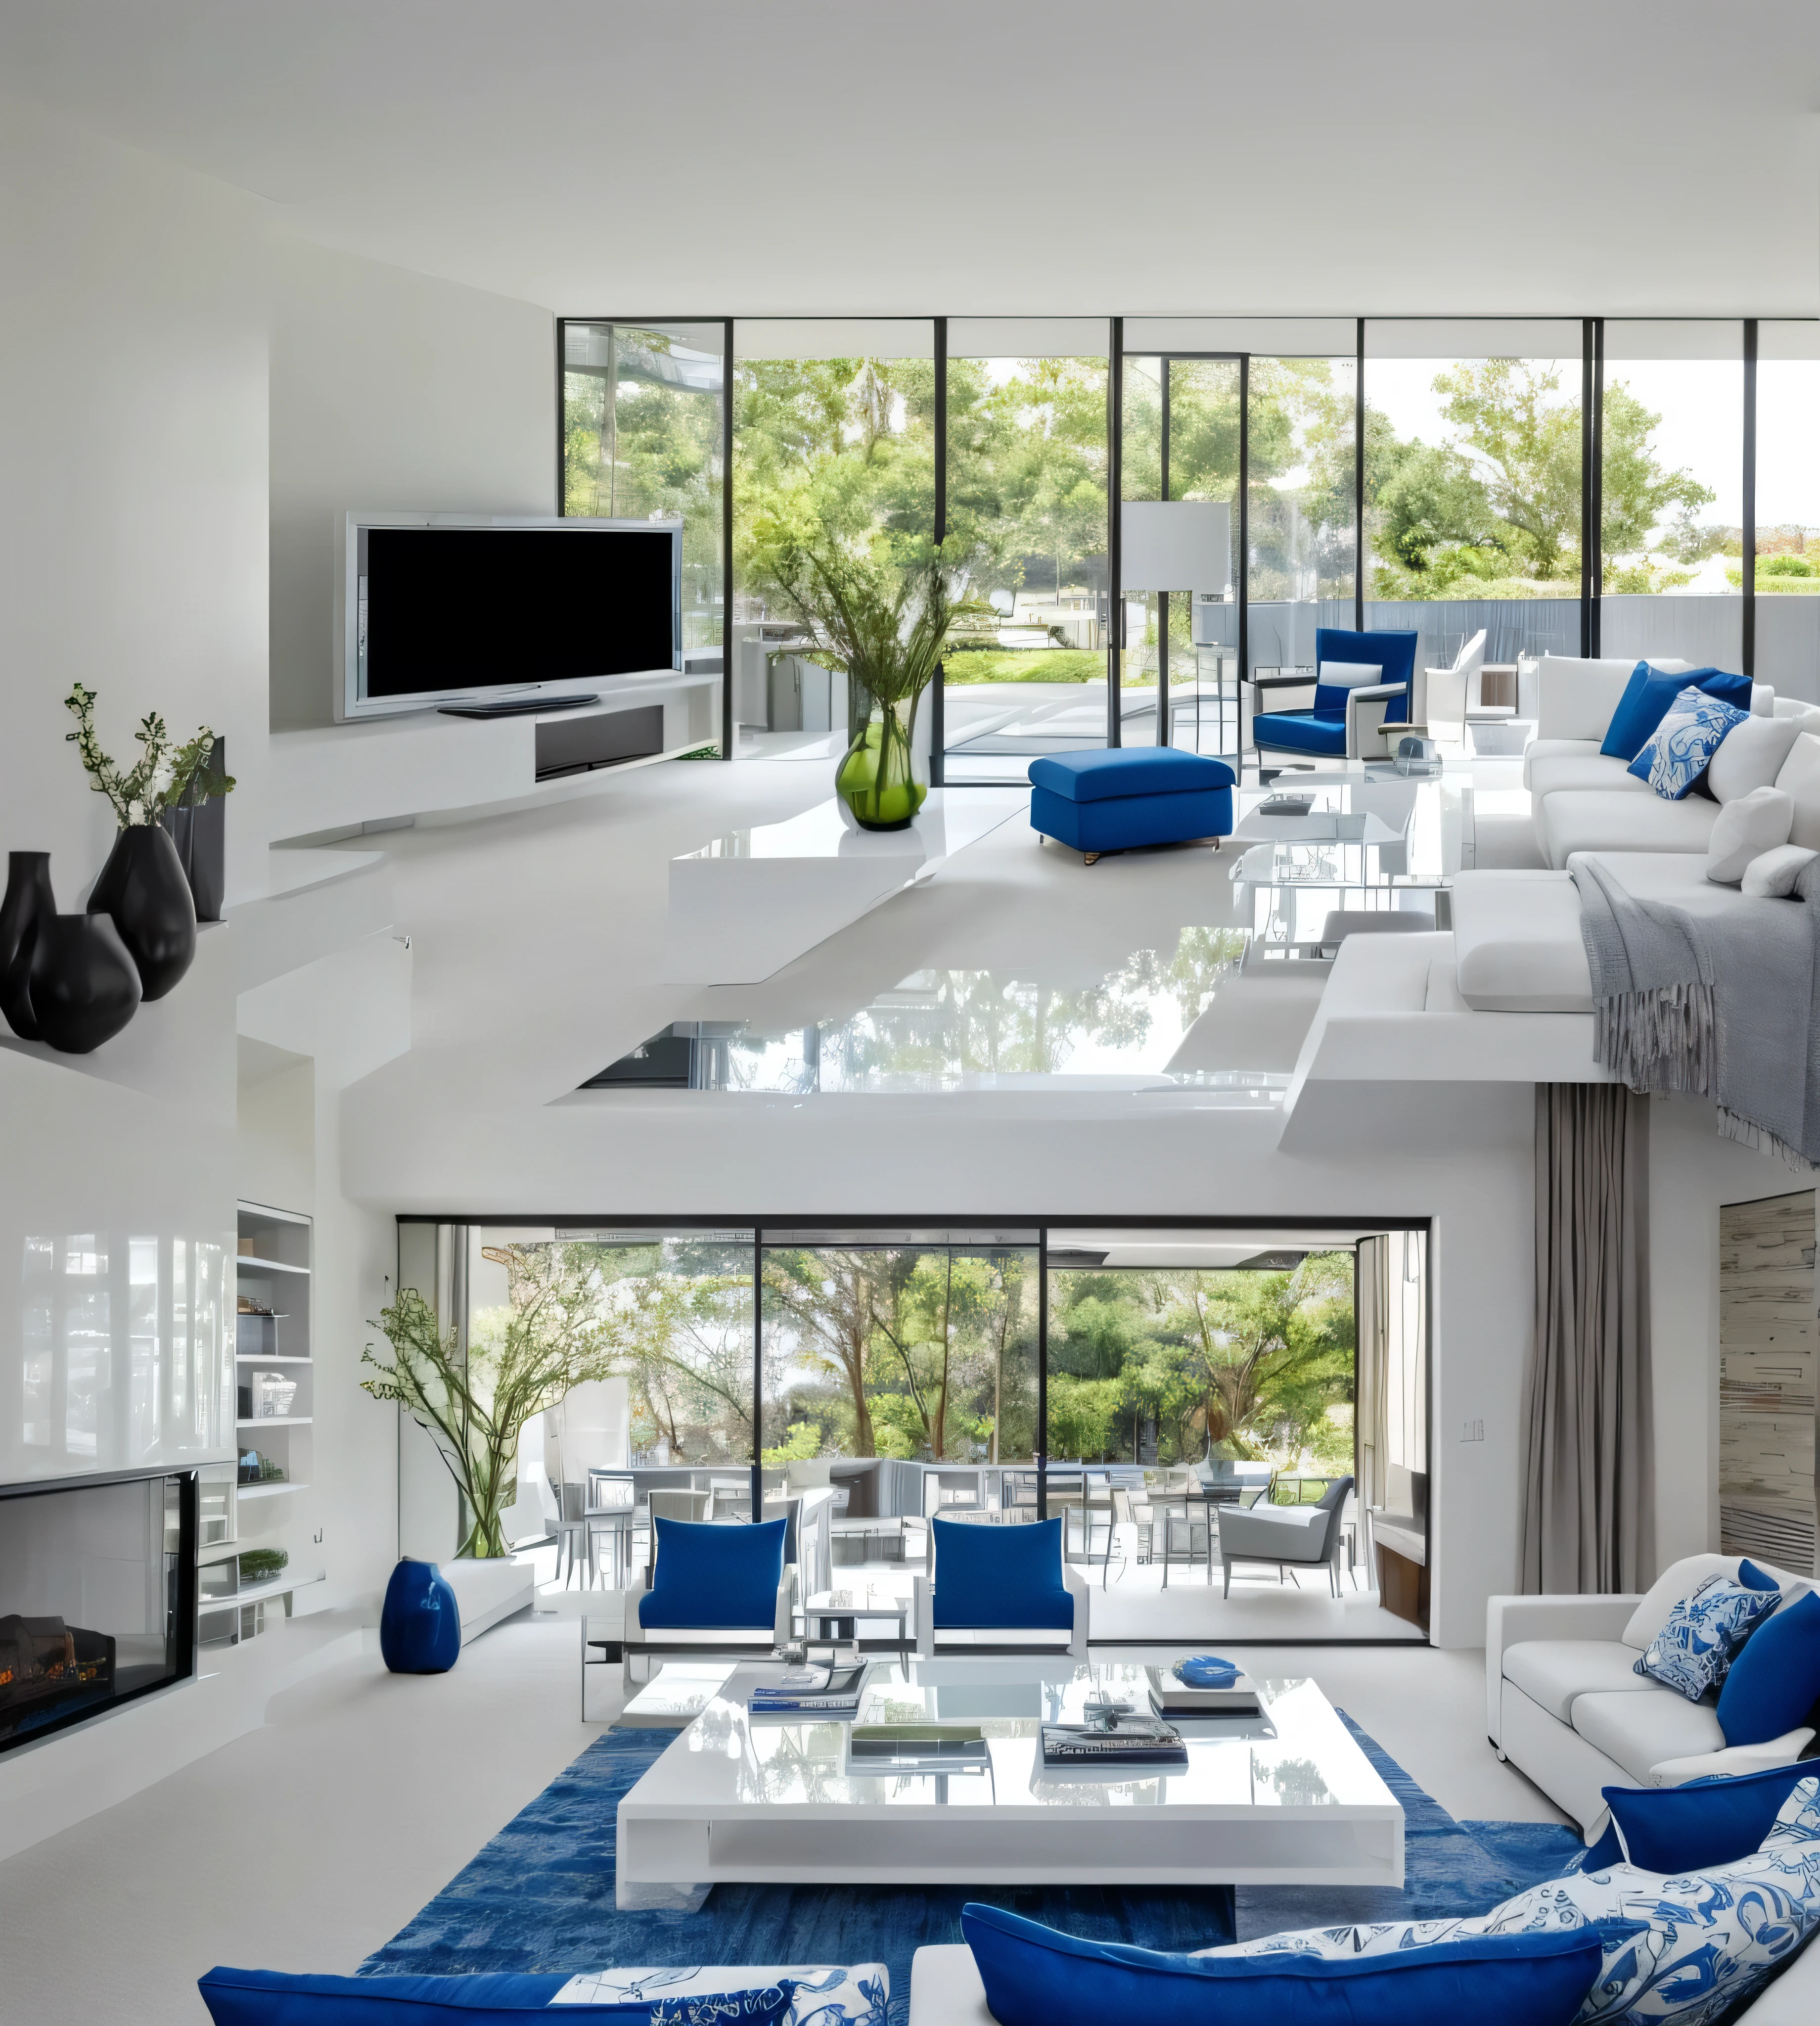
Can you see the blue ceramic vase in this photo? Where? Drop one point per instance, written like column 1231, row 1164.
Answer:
column 420, row 1629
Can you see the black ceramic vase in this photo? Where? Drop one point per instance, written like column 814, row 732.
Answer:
column 28, row 900
column 142, row 886
column 78, row 982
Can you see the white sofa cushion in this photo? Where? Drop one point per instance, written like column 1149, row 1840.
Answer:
column 1584, row 768
column 1745, row 827
column 1678, row 1580
column 1604, row 820
column 1575, row 698
column 1800, row 777
column 1640, row 1732
column 1772, row 877
column 1517, row 947
column 1751, row 755
column 1807, row 715
column 1554, row 1672
column 1555, row 749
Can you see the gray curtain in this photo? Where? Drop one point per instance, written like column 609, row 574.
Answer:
column 1586, row 1488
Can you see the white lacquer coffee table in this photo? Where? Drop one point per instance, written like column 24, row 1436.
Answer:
column 1286, row 1798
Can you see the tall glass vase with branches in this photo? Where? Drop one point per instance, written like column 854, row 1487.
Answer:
column 886, row 630
column 554, row 1335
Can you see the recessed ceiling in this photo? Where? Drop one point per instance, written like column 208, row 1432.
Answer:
column 811, row 157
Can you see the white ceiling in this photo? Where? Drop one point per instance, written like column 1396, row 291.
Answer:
column 994, row 156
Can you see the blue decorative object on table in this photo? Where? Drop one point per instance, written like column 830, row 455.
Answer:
column 1681, row 748
column 272, row 1998
column 420, row 1625
column 1775, row 1681
column 1648, row 695
column 998, row 1577
column 1692, row 1652
column 1205, row 1670
column 1034, row 1976
column 1124, row 796
column 724, row 1576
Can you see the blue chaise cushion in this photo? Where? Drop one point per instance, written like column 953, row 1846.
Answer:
column 1693, row 1827
column 1648, row 695
column 1775, row 1680
column 1007, row 1577
column 718, row 1579
column 1299, row 731
column 1391, row 653
column 1128, row 770
column 1034, row 1976
column 272, row 1998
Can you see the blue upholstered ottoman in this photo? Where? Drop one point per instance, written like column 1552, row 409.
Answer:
column 1114, row 799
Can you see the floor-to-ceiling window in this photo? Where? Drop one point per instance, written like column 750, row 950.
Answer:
column 1787, row 612
column 1473, row 479
column 834, row 448
column 641, row 440
column 1026, row 477
column 1671, row 491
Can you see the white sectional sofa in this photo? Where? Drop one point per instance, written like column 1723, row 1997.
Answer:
column 1565, row 1705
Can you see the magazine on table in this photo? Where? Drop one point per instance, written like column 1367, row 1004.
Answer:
column 1132, row 1741
column 812, row 1690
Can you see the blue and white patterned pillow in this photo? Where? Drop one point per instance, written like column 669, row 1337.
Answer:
column 1677, row 1951
column 1692, row 1652
column 1678, row 751
column 825, row 1994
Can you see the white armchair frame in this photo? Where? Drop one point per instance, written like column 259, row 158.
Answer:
column 1367, row 735
column 1450, row 693
column 923, row 1619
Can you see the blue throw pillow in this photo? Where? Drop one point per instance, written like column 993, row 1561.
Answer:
column 1692, row 1652
column 1681, row 746
column 1034, row 1976
column 1692, row 1828
column 1000, row 1578
column 1752, row 1578
column 724, row 1578
column 1648, row 695
column 1773, row 1683
column 271, row 1998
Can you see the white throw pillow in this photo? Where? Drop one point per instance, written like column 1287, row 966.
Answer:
column 1745, row 829
column 1800, row 778
column 1750, row 756
column 1772, row 877
column 1349, row 674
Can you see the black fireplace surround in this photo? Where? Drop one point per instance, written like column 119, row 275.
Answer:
column 98, row 1597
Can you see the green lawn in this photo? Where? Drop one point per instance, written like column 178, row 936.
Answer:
column 1042, row 665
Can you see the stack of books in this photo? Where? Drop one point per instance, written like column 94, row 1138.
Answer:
column 827, row 1693
column 1132, row 1741
column 1171, row 1696
column 878, row 1749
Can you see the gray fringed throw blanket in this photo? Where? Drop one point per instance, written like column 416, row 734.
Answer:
column 1721, row 1005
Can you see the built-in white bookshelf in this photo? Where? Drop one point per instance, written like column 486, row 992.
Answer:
column 245, row 1514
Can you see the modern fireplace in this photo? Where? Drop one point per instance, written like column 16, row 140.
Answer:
column 97, row 1597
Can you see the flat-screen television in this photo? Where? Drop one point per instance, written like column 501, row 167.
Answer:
column 445, row 609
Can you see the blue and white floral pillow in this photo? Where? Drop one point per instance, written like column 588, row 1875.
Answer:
column 1678, row 751
column 824, row 1995
column 1677, row 1951
column 1692, row 1652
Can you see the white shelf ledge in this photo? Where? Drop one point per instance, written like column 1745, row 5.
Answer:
column 277, row 1421
column 278, row 1586
column 270, row 1487
column 248, row 1262
column 266, row 1357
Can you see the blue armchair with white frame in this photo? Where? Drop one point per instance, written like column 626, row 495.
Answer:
column 999, row 1587
column 723, row 1588
column 1362, row 681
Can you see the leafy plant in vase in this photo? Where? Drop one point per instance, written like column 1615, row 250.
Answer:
column 886, row 630
column 475, row 1402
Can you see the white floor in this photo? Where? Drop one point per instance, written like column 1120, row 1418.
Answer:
column 307, row 1844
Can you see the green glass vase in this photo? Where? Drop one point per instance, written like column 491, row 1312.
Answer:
column 882, row 777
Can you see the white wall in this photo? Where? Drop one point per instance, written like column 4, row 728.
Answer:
column 389, row 389
column 132, row 477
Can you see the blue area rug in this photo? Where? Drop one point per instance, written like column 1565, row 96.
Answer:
column 540, row 1896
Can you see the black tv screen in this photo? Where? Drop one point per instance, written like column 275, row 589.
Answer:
column 455, row 608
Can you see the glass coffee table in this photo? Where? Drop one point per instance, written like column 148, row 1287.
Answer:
column 1287, row 1797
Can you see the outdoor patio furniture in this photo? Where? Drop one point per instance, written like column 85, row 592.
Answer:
column 1286, row 1536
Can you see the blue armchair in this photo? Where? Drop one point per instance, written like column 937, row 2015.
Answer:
column 1349, row 708
column 1009, row 1581
column 711, row 1588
